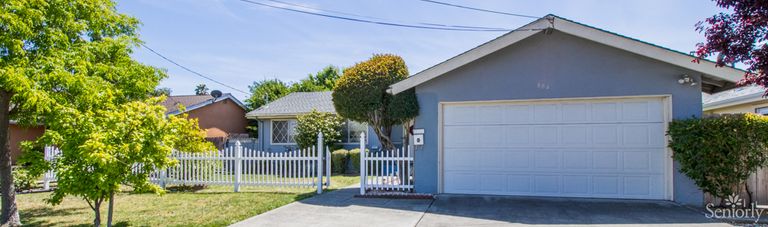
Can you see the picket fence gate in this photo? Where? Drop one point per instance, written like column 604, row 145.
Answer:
column 240, row 166
column 385, row 170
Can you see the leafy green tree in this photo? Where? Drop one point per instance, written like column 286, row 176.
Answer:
column 61, row 59
column 201, row 89
column 110, row 147
column 310, row 124
column 266, row 91
column 361, row 95
column 324, row 80
column 162, row 91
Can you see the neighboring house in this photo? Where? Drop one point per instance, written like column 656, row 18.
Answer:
column 277, row 122
column 747, row 99
column 221, row 117
column 20, row 134
column 568, row 111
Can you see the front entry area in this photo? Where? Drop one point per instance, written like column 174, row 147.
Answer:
column 592, row 147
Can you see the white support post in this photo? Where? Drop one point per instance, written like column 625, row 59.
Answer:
column 362, row 164
column 319, row 153
column 238, row 165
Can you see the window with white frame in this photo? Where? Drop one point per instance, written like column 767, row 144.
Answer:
column 283, row 131
column 350, row 132
column 762, row 110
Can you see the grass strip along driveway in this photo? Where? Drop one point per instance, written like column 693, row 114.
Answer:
column 213, row 206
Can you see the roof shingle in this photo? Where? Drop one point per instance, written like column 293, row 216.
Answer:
column 296, row 103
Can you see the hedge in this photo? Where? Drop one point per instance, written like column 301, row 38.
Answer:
column 720, row 152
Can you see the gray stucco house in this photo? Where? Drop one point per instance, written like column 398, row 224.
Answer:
column 559, row 108
column 277, row 122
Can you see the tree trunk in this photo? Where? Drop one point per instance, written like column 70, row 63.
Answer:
column 97, row 212
column 9, row 216
column 111, row 205
column 384, row 134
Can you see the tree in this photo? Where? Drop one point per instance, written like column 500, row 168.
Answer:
column 738, row 37
column 310, row 124
column 201, row 89
column 361, row 95
column 59, row 59
column 162, row 91
column 324, row 80
column 266, row 91
column 109, row 147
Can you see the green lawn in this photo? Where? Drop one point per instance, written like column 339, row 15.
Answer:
column 214, row 206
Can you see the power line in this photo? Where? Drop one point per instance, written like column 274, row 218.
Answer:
column 382, row 19
column 479, row 9
column 193, row 71
column 376, row 22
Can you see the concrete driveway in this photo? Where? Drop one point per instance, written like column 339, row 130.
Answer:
column 340, row 208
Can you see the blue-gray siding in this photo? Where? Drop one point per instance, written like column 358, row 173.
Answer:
column 553, row 66
column 373, row 142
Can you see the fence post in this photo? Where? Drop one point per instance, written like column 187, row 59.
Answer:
column 362, row 164
column 327, row 167
column 238, row 165
column 163, row 177
column 47, row 178
column 319, row 162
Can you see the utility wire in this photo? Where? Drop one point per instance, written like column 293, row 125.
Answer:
column 193, row 71
column 375, row 22
column 479, row 9
column 380, row 19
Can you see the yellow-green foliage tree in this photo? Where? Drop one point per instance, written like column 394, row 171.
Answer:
column 361, row 95
column 67, row 64
column 106, row 148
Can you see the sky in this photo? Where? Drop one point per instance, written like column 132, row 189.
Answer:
column 238, row 43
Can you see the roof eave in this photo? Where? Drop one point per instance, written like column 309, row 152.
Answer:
column 707, row 68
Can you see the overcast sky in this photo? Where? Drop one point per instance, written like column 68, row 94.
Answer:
column 238, row 43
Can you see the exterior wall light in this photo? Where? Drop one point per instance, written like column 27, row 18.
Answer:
column 686, row 79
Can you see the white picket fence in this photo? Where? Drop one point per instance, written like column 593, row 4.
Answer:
column 241, row 166
column 385, row 170
column 50, row 153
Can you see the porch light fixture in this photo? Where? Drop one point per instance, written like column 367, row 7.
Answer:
column 686, row 79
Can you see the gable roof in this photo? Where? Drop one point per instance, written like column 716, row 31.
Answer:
column 714, row 78
column 295, row 103
column 192, row 102
column 736, row 96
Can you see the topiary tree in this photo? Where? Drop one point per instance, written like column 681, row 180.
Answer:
column 361, row 95
column 308, row 125
column 719, row 153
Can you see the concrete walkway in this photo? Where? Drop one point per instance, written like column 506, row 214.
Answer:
column 341, row 208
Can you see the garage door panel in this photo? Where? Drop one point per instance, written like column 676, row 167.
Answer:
column 581, row 148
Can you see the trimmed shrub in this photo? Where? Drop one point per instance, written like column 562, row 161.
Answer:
column 339, row 160
column 23, row 180
column 720, row 152
column 354, row 159
column 308, row 125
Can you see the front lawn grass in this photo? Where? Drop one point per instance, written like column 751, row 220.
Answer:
column 213, row 206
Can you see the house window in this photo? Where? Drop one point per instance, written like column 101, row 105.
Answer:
column 762, row 110
column 350, row 133
column 283, row 131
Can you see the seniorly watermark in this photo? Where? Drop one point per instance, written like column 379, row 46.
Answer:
column 735, row 209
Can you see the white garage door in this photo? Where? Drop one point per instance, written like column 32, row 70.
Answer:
column 602, row 148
